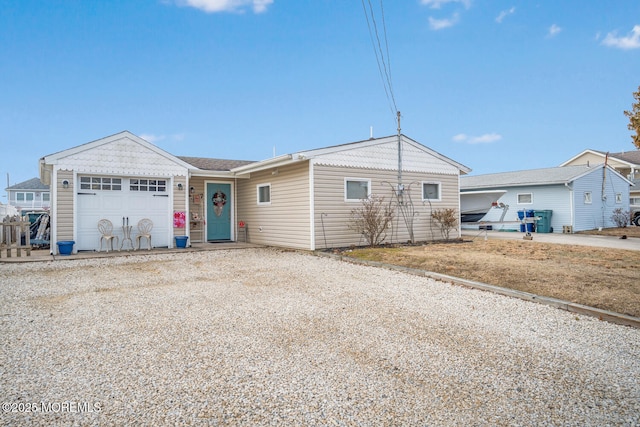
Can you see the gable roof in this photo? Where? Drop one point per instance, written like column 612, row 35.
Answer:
column 545, row 176
column 30, row 184
column 56, row 157
column 374, row 153
column 381, row 153
column 628, row 156
column 631, row 158
column 122, row 153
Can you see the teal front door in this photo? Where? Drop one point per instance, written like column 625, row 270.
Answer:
column 218, row 211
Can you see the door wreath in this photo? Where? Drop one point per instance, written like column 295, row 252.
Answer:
column 219, row 199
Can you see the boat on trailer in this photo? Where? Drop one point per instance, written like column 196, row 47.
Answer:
column 474, row 205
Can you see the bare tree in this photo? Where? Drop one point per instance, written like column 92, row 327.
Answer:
column 447, row 219
column 634, row 119
column 372, row 219
column 620, row 217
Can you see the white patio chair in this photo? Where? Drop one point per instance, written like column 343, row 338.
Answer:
column 105, row 227
column 144, row 231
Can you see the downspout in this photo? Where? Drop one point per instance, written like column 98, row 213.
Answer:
column 571, row 203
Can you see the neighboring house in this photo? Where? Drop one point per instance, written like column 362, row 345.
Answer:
column 626, row 162
column 301, row 200
column 29, row 196
column 581, row 197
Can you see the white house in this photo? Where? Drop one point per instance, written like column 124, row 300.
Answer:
column 580, row 197
column 29, row 196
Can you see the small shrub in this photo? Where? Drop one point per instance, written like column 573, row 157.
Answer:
column 620, row 217
column 447, row 219
column 372, row 219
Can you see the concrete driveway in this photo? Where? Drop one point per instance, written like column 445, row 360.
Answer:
column 631, row 243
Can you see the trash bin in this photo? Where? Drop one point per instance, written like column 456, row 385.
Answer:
column 543, row 225
column 65, row 247
column 521, row 214
column 181, row 241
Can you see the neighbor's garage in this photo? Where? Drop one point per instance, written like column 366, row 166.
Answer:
column 115, row 198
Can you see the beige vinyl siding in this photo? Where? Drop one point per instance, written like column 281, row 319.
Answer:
column 332, row 211
column 64, row 205
column 284, row 222
column 179, row 201
column 595, row 159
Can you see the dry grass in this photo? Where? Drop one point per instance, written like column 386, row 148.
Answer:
column 597, row 277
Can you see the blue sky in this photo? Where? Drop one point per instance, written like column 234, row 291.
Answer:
column 495, row 85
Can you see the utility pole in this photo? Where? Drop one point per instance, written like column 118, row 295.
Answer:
column 400, row 185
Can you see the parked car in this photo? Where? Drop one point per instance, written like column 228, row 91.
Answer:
column 635, row 214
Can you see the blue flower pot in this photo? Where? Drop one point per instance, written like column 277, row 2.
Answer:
column 65, row 247
column 181, row 241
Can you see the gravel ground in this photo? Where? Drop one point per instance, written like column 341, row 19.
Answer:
column 270, row 337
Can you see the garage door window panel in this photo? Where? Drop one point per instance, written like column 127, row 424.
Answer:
column 152, row 185
column 100, row 183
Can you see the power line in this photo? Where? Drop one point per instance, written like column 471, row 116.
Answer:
column 384, row 66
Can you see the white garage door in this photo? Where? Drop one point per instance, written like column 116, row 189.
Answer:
column 117, row 198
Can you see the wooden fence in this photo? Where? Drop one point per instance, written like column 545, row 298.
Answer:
column 12, row 232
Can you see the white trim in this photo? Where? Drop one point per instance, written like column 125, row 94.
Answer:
column 439, row 184
column 74, row 203
column 381, row 141
column 602, row 155
column 53, row 236
column 312, row 209
column 618, row 198
column 367, row 180
column 522, row 194
column 264, row 164
column 258, row 186
column 232, row 212
column 587, row 200
column 56, row 157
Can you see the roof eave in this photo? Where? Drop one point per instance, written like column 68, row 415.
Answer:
column 274, row 162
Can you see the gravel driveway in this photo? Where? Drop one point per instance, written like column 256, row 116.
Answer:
column 270, row 337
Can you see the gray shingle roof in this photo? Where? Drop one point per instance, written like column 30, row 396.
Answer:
column 31, row 184
column 546, row 176
column 214, row 164
column 632, row 156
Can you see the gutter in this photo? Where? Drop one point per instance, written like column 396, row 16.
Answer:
column 266, row 164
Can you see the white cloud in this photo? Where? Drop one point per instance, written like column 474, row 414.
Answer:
column 214, row 6
column 437, row 4
column 504, row 14
column 487, row 138
column 154, row 139
column 631, row 41
column 553, row 30
column 439, row 24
